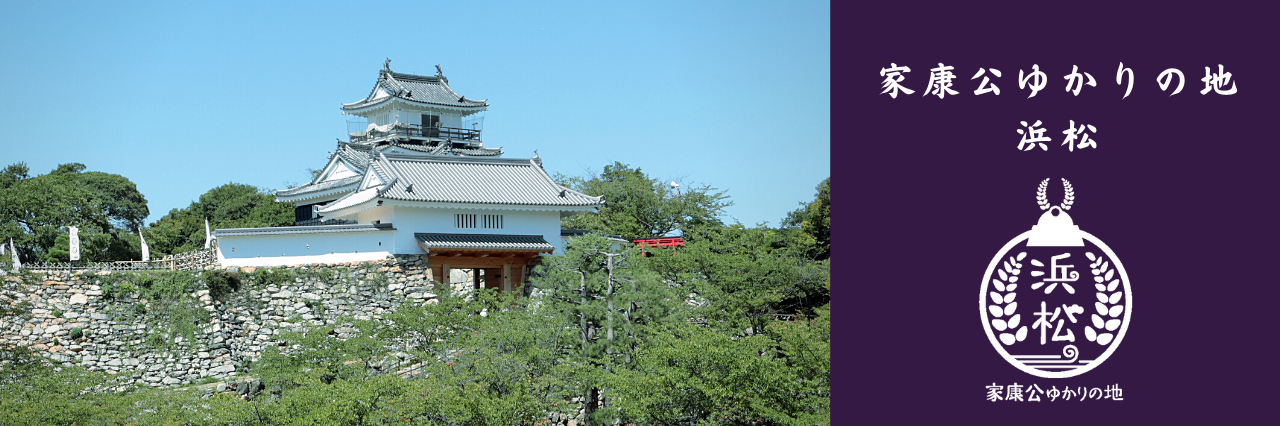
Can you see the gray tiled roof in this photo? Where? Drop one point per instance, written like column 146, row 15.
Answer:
column 477, row 152
column 318, row 229
column 349, row 200
column 316, row 187
column 445, row 148
column 358, row 156
column 483, row 180
column 380, row 168
column 483, row 242
column 416, row 88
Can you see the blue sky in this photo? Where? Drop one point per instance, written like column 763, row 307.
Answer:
column 183, row 98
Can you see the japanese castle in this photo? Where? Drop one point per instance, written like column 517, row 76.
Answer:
column 416, row 181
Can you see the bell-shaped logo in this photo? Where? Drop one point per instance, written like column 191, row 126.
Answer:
column 1055, row 229
column 1074, row 292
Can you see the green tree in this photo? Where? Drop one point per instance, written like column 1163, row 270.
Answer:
column 814, row 219
column 35, row 211
column 746, row 275
column 614, row 304
column 321, row 357
column 228, row 206
column 817, row 221
column 637, row 206
column 805, row 345
column 697, row 376
column 486, row 358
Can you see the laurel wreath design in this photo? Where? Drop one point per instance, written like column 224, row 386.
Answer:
column 1108, row 304
column 1042, row 196
column 1068, row 197
column 1003, row 304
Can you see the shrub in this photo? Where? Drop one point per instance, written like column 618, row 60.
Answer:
column 317, row 307
column 273, row 276
column 221, row 283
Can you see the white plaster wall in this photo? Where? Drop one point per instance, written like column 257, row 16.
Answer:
column 409, row 220
column 409, row 117
column 387, row 115
column 304, row 260
column 451, row 120
column 385, row 214
column 248, row 247
column 414, row 116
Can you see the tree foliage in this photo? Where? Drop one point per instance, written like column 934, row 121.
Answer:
column 486, row 358
column 814, row 219
column 614, row 305
column 744, row 276
column 231, row 205
column 479, row 359
column 637, row 206
column 696, row 375
column 817, row 221
column 36, row 211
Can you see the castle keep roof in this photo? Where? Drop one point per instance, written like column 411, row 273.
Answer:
column 414, row 89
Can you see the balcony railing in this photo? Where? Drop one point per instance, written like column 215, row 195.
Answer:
column 414, row 130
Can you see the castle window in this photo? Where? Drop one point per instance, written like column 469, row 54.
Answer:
column 464, row 220
column 431, row 125
column 492, row 221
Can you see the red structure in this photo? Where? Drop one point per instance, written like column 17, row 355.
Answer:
column 672, row 242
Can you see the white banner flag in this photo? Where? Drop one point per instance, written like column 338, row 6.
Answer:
column 75, row 244
column 207, row 236
column 146, row 254
column 13, row 250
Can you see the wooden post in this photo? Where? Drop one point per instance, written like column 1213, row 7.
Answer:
column 524, row 274
column 475, row 278
column 506, row 277
column 446, row 277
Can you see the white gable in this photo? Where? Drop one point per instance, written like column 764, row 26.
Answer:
column 371, row 179
column 339, row 171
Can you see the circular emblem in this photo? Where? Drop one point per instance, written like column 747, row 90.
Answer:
column 1055, row 301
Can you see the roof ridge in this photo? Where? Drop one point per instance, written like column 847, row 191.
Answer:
column 427, row 78
column 394, row 173
column 391, row 168
column 320, row 186
column 355, row 146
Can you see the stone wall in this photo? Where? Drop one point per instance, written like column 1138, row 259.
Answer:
column 118, row 335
